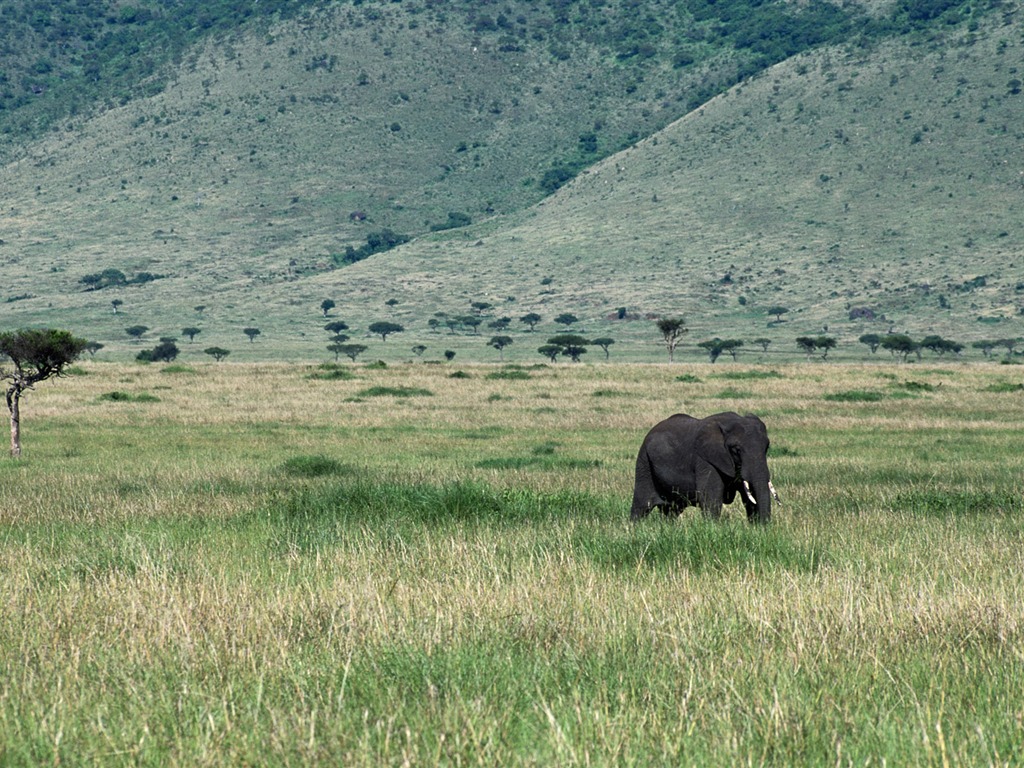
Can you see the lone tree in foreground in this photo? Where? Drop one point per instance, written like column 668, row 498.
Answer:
column 672, row 330
column 35, row 355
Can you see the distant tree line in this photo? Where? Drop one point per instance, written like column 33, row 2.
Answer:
column 376, row 242
column 112, row 278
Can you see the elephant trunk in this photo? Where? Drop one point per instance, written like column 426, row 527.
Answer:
column 758, row 493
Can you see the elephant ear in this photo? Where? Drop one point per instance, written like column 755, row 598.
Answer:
column 712, row 448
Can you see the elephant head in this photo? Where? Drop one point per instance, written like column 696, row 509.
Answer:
column 737, row 447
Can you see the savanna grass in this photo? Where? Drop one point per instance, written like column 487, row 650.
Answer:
column 271, row 573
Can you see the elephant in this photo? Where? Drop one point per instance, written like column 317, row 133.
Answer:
column 688, row 461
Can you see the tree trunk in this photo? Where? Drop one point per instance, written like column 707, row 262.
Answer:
column 12, row 403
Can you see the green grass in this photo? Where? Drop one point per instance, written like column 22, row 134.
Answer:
column 855, row 396
column 117, row 396
column 257, row 579
column 394, row 392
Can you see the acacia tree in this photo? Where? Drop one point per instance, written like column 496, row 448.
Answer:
column 566, row 319
column 672, row 330
column 550, row 351
column 764, row 342
column 191, row 332
column 900, row 344
column 531, row 319
column 471, row 321
column 826, row 343
column 571, row 345
column 164, row 352
column 1010, row 345
column 352, row 351
column 872, row 340
column 217, row 353
column 35, row 355
column 385, row 328
column 499, row 343
column 986, row 346
column 714, row 347
column 808, row 344
column 326, row 306
column 604, row 342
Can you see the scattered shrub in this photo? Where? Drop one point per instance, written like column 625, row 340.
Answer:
column 1004, row 386
column 855, row 396
column 512, row 374
column 331, row 372
column 749, row 375
column 313, row 466
column 394, row 392
column 916, row 386
column 126, row 397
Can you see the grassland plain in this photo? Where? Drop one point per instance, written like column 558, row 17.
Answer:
column 271, row 563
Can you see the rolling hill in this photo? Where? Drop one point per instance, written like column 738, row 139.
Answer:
column 878, row 174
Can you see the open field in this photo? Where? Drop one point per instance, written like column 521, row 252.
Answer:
column 276, row 563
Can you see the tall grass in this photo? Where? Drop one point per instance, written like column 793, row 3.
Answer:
column 238, row 574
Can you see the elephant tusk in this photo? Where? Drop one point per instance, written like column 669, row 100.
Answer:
column 775, row 494
column 750, row 494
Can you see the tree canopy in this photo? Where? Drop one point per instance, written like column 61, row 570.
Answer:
column 385, row 328
column 34, row 355
column 672, row 331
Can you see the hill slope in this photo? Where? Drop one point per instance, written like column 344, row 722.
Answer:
column 883, row 177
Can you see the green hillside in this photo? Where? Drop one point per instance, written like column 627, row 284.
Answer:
column 246, row 172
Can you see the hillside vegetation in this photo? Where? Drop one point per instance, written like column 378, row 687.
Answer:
column 261, row 167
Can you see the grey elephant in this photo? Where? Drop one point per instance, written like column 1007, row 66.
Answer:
column 705, row 462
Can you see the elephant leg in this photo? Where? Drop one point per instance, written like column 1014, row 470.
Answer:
column 710, row 491
column 643, row 503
